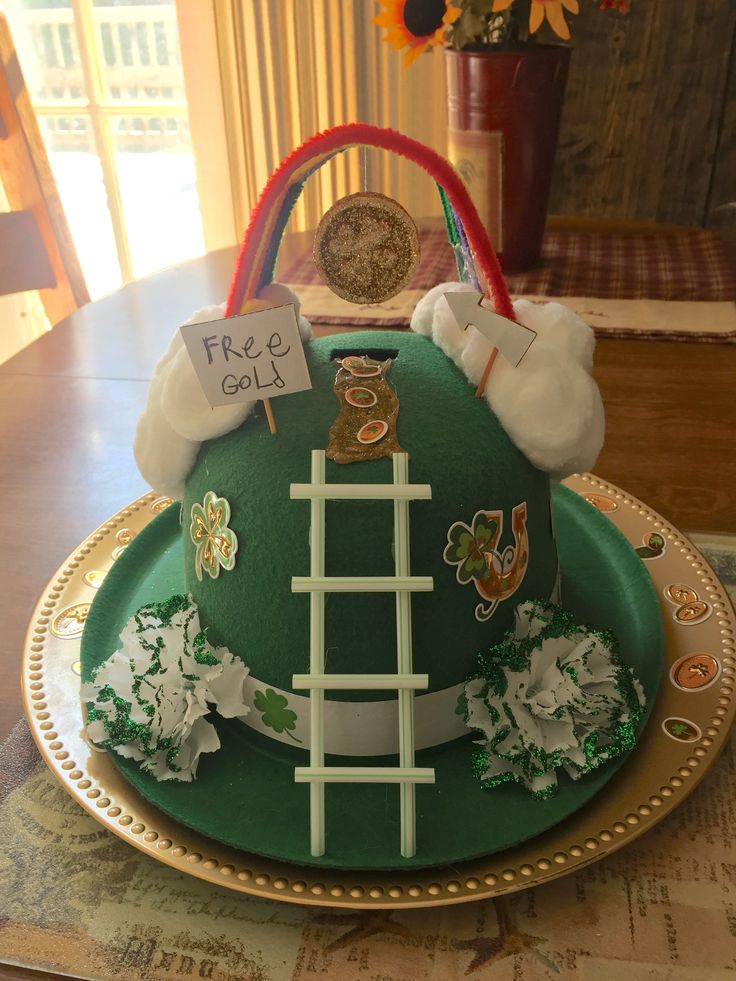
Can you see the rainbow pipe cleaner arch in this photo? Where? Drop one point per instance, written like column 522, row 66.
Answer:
column 255, row 264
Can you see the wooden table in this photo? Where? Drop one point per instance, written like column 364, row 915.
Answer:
column 69, row 404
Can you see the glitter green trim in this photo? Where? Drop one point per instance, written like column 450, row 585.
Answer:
column 149, row 700
column 552, row 695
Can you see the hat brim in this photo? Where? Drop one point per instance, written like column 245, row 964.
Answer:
column 245, row 795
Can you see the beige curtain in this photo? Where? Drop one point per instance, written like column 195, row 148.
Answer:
column 291, row 68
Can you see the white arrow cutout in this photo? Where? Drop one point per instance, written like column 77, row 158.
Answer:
column 512, row 340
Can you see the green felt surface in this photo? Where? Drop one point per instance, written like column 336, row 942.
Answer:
column 245, row 794
column 455, row 443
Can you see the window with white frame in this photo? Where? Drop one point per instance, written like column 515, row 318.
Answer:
column 106, row 82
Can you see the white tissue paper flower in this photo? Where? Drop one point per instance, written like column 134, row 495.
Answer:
column 150, row 698
column 549, row 404
column 551, row 695
column 177, row 417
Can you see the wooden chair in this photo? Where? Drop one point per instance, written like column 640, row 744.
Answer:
column 36, row 249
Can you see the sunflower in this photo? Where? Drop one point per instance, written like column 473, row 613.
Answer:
column 551, row 9
column 416, row 24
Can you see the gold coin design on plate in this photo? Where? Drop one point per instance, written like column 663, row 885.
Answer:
column 161, row 503
column 125, row 536
column 366, row 248
column 694, row 671
column 681, row 729
column 601, row 503
column 70, row 622
column 677, row 593
column 692, row 612
column 94, row 578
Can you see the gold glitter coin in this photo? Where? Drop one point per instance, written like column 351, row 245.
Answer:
column 70, row 622
column 94, row 578
column 694, row 671
column 366, row 248
column 125, row 536
column 601, row 503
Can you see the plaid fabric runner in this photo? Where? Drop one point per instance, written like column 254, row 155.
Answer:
column 688, row 265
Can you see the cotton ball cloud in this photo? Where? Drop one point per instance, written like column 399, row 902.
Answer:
column 177, row 417
column 549, row 404
column 162, row 455
column 558, row 327
column 432, row 316
column 186, row 409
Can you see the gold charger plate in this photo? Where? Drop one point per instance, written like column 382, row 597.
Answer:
column 688, row 726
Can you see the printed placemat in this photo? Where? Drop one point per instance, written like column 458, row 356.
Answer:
column 680, row 286
column 74, row 899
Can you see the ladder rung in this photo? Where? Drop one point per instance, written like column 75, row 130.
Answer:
column 354, row 682
column 362, row 584
column 363, row 774
column 361, row 492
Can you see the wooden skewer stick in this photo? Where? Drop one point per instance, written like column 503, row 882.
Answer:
column 252, row 305
column 486, row 372
column 269, row 416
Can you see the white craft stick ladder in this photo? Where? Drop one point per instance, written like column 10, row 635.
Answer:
column 404, row 682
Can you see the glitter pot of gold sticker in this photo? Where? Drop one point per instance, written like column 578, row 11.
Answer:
column 366, row 248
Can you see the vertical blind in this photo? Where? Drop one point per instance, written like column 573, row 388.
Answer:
column 291, row 68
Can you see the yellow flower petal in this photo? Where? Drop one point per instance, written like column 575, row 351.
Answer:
column 536, row 15
column 572, row 5
column 452, row 14
column 556, row 19
column 499, row 5
column 413, row 53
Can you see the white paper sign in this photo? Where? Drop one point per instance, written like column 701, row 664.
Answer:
column 512, row 340
column 251, row 356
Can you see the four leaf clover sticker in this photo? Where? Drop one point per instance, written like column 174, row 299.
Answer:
column 275, row 712
column 468, row 547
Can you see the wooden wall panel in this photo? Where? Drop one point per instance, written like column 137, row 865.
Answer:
column 643, row 110
column 721, row 203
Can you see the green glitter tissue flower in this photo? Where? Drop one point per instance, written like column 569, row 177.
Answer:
column 149, row 700
column 551, row 695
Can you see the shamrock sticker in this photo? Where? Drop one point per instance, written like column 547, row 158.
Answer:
column 215, row 544
column 275, row 712
column 471, row 548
